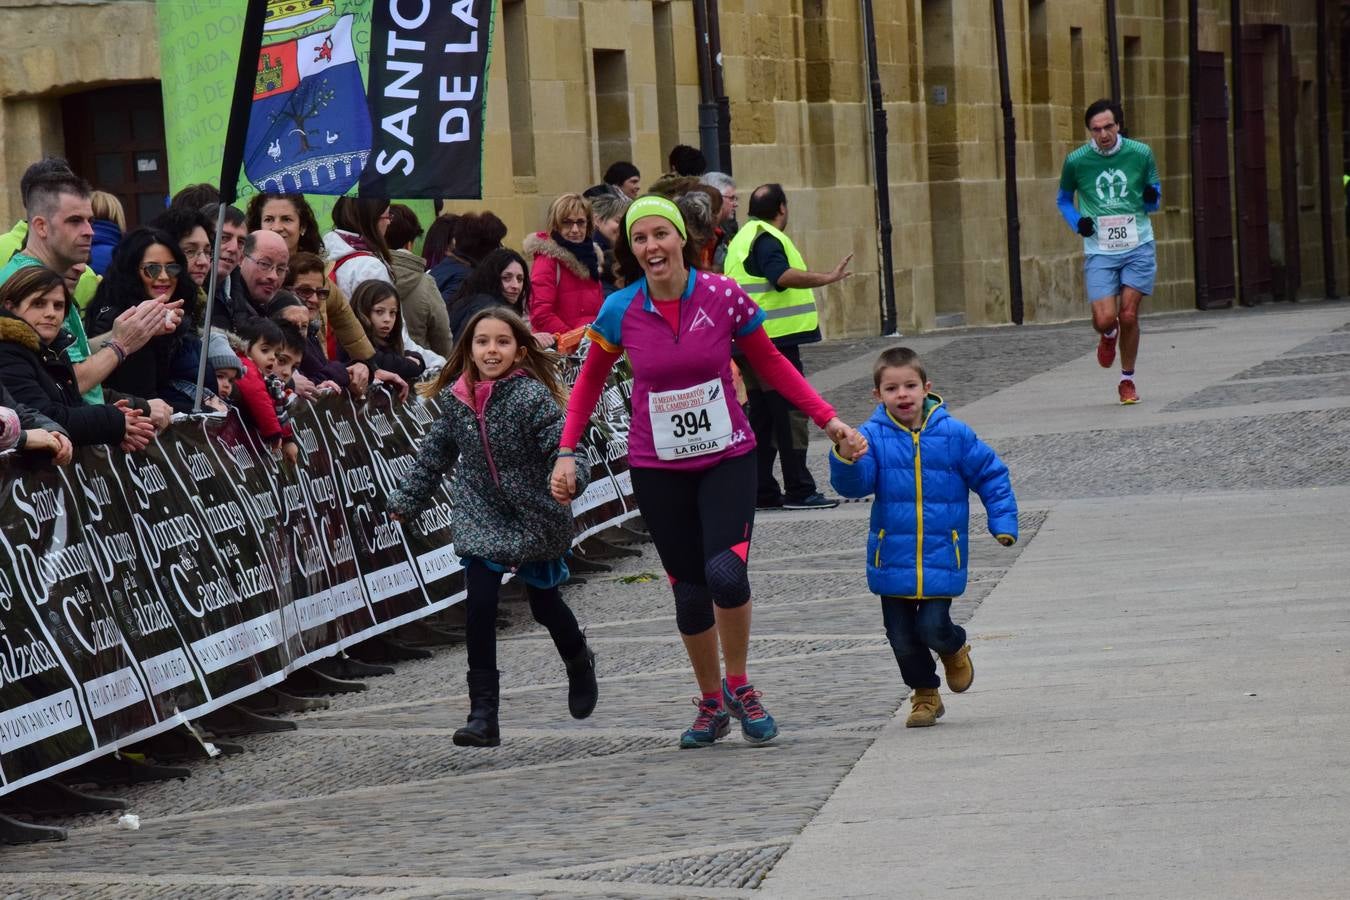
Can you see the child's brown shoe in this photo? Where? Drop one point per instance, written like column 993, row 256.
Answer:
column 925, row 708
column 960, row 670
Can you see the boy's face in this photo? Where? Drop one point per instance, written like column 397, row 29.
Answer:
column 225, row 382
column 287, row 358
column 264, row 356
column 903, row 393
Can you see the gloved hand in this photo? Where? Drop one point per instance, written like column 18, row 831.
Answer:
column 1150, row 194
column 1086, row 227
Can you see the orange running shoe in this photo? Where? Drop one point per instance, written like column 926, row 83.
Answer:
column 1128, row 394
column 1106, row 351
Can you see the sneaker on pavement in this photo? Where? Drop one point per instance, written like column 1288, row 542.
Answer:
column 1128, row 394
column 1106, row 351
column 775, row 503
column 811, row 501
column 757, row 726
column 711, row 723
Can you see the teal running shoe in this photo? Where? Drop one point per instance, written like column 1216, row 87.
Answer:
column 757, row 726
column 711, row 723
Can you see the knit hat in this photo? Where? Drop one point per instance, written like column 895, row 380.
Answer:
column 653, row 205
column 219, row 353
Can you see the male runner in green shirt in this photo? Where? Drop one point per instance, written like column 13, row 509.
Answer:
column 1116, row 181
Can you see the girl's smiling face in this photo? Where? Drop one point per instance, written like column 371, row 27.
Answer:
column 495, row 351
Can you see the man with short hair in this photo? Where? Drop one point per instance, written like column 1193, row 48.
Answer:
column 1117, row 184
column 724, row 185
column 60, row 232
column 768, row 266
column 687, row 161
column 262, row 270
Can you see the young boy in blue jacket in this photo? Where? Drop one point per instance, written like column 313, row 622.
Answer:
column 922, row 466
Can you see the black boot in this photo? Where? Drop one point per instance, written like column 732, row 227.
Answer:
column 582, row 691
column 484, row 697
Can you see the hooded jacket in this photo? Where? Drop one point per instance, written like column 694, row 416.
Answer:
column 106, row 238
column 39, row 377
column 917, row 544
column 563, row 295
column 424, row 312
column 502, row 447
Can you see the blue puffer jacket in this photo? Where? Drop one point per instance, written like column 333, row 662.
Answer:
column 106, row 238
column 917, row 542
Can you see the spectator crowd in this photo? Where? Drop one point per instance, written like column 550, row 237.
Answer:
column 103, row 328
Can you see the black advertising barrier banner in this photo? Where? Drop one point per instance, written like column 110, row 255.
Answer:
column 138, row 591
column 429, row 536
column 427, row 83
column 141, row 596
column 607, row 499
column 44, row 714
column 345, row 613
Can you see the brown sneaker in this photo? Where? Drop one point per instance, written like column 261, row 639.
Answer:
column 1128, row 394
column 960, row 670
column 925, row 708
column 1106, row 351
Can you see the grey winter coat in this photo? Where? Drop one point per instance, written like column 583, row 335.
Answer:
column 503, row 510
column 424, row 312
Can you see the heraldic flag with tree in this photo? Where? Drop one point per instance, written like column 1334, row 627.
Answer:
column 309, row 131
column 384, row 97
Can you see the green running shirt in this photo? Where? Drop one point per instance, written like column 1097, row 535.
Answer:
column 1111, row 186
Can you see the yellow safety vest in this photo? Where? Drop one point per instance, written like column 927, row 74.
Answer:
column 790, row 310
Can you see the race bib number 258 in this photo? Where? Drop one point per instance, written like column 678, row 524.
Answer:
column 1117, row 232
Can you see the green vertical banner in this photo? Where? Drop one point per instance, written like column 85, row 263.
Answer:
column 328, row 115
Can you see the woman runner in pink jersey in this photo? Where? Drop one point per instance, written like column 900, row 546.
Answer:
column 690, row 448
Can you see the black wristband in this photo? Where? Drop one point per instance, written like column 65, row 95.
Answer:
column 22, row 441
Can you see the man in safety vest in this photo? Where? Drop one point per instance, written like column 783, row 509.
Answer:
column 767, row 265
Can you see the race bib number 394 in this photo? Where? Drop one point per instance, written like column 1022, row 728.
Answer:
column 1117, row 232
column 691, row 421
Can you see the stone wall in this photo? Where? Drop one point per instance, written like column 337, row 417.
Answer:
column 578, row 83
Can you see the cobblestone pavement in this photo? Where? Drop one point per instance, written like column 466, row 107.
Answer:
column 370, row 798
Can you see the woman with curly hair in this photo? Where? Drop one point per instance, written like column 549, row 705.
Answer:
column 290, row 216
column 148, row 265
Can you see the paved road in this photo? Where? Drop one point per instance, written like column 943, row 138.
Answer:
column 1177, row 556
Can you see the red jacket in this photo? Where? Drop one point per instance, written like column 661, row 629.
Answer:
column 256, row 403
column 563, row 295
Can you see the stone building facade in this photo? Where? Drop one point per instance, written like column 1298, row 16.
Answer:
column 577, row 84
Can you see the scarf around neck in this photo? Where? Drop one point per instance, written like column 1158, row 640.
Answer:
column 584, row 251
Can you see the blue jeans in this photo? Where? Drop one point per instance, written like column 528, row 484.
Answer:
column 914, row 627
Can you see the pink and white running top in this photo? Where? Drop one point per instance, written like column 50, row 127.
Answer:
column 685, row 414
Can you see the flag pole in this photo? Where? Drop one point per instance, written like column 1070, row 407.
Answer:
column 245, row 78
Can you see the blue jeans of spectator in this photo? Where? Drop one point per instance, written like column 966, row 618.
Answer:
column 915, row 627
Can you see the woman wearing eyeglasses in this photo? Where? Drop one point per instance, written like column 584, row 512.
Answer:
column 147, row 265
column 565, row 275
column 307, row 282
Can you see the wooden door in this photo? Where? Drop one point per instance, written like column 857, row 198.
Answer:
column 1255, row 214
column 115, row 140
column 1213, row 218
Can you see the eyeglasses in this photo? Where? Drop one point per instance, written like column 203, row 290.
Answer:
column 265, row 267
column 154, row 270
column 575, row 223
column 196, row 254
column 304, row 293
